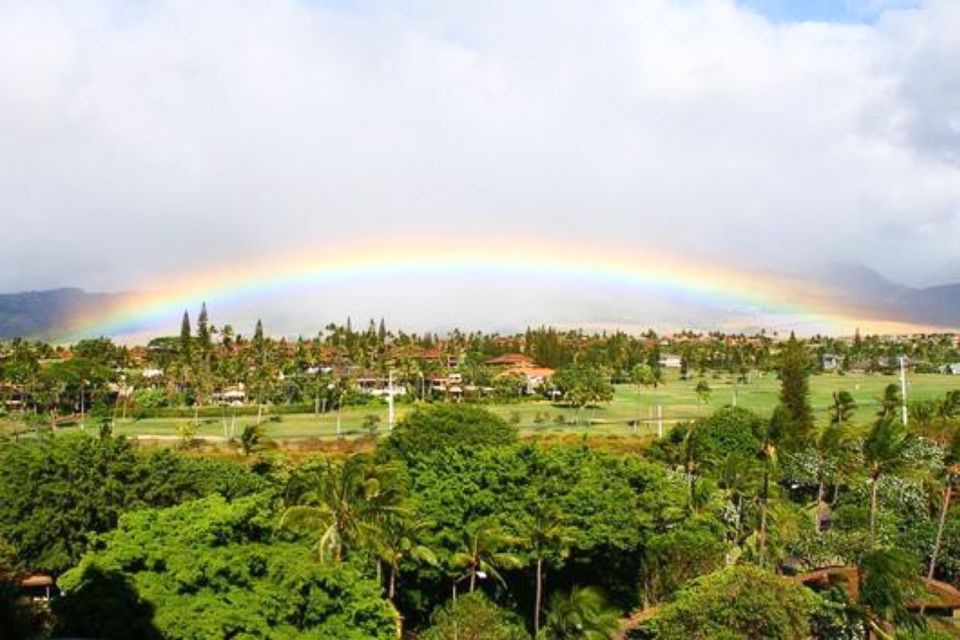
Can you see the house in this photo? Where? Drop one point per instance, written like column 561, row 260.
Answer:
column 831, row 361
column 535, row 377
column 938, row 599
column 953, row 369
column 510, row 360
column 670, row 361
column 232, row 396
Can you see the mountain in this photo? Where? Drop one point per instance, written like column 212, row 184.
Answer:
column 861, row 286
column 46, row 314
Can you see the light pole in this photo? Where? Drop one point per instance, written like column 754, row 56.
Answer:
column 903, row 391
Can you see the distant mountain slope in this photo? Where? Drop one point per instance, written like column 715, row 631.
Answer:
column 859, row 285
column 45, row 314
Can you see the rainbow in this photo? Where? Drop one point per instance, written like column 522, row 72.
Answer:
column 714, row 285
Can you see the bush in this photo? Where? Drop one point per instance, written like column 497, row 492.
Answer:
column 739, row 603
column 473, row 616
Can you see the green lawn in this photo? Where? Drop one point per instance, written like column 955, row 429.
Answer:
column 678, row 399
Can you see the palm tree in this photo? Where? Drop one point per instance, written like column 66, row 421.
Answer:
column 885, row 453
column 396, row 541
column 951, row 471
column 843, row 407
column 546, row 535
column 771, row 435
column 251, row 438
column 580, row 614
column 482, row 552
column 343, row 503
column 887, row 579
column 890, row 402
column 923, row 413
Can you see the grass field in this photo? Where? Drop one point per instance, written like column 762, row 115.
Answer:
column 631, row 403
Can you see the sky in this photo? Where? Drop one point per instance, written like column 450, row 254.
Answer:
column 146, row 140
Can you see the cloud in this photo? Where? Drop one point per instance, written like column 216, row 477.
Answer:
column 139, row 138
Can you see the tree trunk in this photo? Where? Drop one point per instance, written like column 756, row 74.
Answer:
column 392, row 588
column 763, row 517
column 538, row 598
column 941, row 523
column 821, row 491
column 873, row 511
column 473, row 579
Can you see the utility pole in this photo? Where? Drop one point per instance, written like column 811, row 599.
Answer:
column 390, row 416
column 903, row 390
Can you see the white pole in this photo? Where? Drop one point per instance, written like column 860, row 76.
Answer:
column 903, row 391
column 390, row 416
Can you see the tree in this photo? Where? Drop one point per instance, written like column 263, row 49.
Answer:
column 703, row 391
column 795, row 394
column 885, row 452
column 738, row 603
column 583, row 385
column 397, row 540
column 203, row 332
column 951, row 470
column 890, row 402
column 482, row 550
column 186, row 340
column 216, row 569
column 546, row 534
column 843, row 407
column 770, row 438
column 340, row 504
column 581, row 614
column 79, row 486
column 888, row 580
column 250, row 438
column 474, row 617
column 445, row 426
column 643, row 375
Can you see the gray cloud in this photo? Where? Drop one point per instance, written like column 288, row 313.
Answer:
column 143, row 137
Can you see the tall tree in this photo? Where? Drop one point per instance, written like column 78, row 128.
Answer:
column 546, row 535
column 951, row 471
column 204, row 333
column 885, row 452
column 795, row 394
column 186, row 339
column 341, row 504
column 770, row 436
column 483, row 551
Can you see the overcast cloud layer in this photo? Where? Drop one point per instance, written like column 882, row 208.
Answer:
column 138, row 137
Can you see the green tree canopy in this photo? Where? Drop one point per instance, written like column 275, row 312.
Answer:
column 446, row 426
column 474, row 617
column 216, row 569
column 739, row 603
column 57, row 492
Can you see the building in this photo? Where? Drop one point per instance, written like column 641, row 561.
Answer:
column 510, row 360
column 535, row 377
column 831, row 361
column 670, row 361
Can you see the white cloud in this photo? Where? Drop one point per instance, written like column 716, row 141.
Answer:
column 138, row 137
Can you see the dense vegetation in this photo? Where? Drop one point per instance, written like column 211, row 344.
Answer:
column 456, row 527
